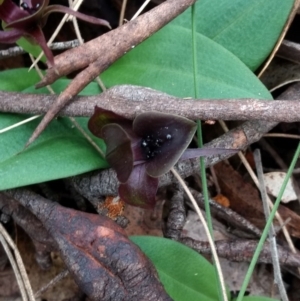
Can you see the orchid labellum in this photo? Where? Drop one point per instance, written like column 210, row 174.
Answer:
column 28, row 20
column 144, row 149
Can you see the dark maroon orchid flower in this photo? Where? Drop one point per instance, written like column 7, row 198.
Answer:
column 28, row 20
column 144, row 149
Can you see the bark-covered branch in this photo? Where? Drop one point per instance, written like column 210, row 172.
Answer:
column 241, row 250
column 129, row 100
column 110, row 46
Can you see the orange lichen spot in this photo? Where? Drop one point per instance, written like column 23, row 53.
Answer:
column 114, row 205
column 222, row 200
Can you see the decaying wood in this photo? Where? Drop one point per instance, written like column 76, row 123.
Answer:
column 176, row 216
column 104, row 263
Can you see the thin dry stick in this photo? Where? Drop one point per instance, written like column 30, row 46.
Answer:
column 15, row 51
column 283, row 225
column 14, row 267
column 75, row 5
column 129, row 100
column 272, row 233
column 211, row 242
column 76, row 27
column 280, row 135
column 19, row 261
column 57, row 30
column 255, row 180
column 55, row 280
column 284, row 84
column 140, row 9
column 18, row 124
column 122, row 13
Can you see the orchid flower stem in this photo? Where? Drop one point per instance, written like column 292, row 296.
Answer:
column 267, row 227
column 219, row 274
column 207, row 232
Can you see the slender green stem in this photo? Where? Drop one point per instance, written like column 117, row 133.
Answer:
column 194, row 43
column 199, row 128
column 204, row 181
column 267, row 227
column 219, row 275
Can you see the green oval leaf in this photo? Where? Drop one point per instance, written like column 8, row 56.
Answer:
column 16, row 80
column 164, row 62
column 185, row 274
column 60, row 152
column 249, row 29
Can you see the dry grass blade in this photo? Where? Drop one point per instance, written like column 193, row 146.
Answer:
column 18, row 124
column 18, row 266
column 122, row 13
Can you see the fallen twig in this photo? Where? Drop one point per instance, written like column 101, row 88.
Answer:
column 243, row 250
column 129, row 100
column 15, row 51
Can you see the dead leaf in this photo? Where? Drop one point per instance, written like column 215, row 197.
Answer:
column 245, row 199
column 273, row 182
